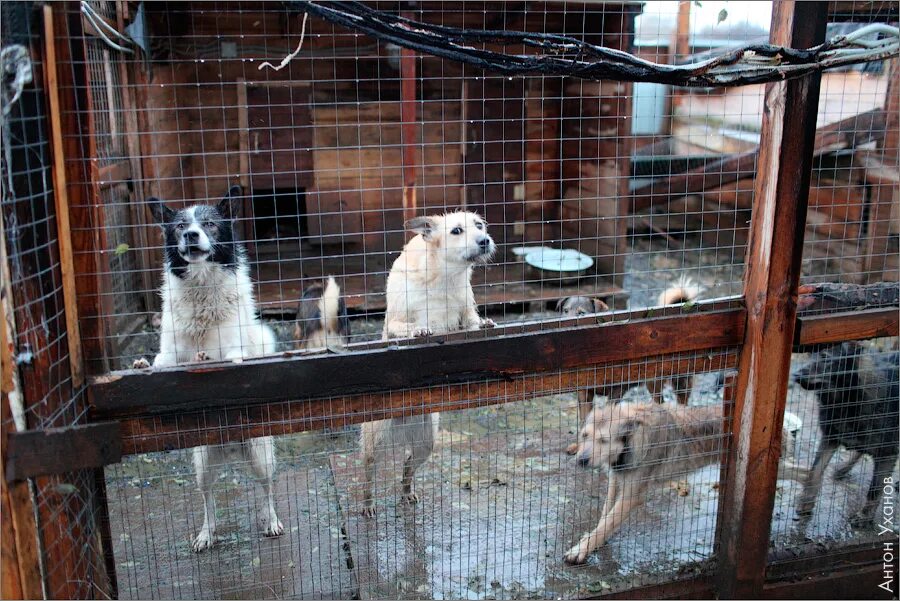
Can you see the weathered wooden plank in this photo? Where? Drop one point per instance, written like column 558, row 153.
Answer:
column 847, row 133
column 49, row 451
column 215, row 424
column 280, row 379
column 21, row 577
column 770, row 289
column 61, row 200
column 85, row 211
column 885, row 195
column 852, row 325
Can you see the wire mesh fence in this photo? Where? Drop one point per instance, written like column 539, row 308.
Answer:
column 68, row 508
column 845, row 396
column 499, row 499
column 596, row 182
column 238, row 210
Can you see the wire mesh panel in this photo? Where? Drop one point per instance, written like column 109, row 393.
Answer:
column 264, row 181
column 67, row 508
column 479, row 502
column 335, row 149
column 846, row 398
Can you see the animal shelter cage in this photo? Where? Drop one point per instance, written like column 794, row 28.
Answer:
column 707, row 259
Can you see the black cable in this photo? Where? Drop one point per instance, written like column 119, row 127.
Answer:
column 590, row 61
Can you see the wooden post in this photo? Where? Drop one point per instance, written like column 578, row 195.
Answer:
column 882, row 180
column 20, row 573
column 63, row 228
column 85, row 210
column 408, row 127
column 770, row 293
column 679, row 47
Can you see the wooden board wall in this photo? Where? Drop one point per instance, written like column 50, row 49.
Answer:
column 194, row 126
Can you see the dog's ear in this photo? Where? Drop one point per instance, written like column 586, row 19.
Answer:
column 599, row 305
column 230, row 205
column 421, row 225
column 161, row 212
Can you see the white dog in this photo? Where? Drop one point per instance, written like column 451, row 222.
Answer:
column 208, row 313
column 429, row 291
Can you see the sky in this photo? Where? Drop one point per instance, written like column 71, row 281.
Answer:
column 756, row 13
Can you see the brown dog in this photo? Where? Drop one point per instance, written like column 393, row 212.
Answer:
column 641, row 444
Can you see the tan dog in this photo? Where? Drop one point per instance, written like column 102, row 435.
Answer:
column 683, row 291
column 641, row 444
column 429, row 291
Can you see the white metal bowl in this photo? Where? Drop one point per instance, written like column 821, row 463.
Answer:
column 559, row 263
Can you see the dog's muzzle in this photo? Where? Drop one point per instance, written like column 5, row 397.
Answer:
column 485, row 250
column 192, row 248
column 584, row 459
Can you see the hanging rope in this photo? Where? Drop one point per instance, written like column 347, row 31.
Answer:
column 568, row 56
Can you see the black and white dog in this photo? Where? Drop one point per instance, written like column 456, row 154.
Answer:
column 209, row 313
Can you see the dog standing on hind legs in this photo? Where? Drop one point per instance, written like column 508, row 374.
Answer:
column 429, row 291
column 209, row 313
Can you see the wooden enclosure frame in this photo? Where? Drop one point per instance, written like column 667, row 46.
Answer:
column 160, row 410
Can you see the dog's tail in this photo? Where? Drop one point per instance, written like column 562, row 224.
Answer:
column 684, row 290
column 322, row 319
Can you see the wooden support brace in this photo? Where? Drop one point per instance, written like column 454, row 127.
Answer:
column 61, row 198
column 770, row 289
column 59, row 450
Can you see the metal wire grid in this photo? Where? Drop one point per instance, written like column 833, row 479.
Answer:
column 319, row 148
column 852, row 386
column 67, row 507
column 500, row 501
column 184, row 75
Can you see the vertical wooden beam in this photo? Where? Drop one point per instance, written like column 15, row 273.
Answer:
column 770, row 292
column 85, row 210
column 61, row 198
column 408, row 126
column 884, row 193
column 131, row 110
column 679, row 47
column 20, row 572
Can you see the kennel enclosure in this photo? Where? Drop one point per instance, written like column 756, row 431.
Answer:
column 334, row 151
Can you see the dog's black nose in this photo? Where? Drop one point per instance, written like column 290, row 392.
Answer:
column 192, row 237
column 484, row 243
column 583, row 460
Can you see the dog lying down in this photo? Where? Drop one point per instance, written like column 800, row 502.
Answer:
column 647, row 444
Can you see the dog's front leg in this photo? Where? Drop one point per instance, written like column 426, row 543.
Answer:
column 814, row 481
column 262, row 461
column 607, row 525
column 612, row 491
column 396, row 328
column 206, row 537
column 473, row 321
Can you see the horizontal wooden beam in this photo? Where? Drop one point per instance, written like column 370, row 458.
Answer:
column 273, row 379
column 59, row 450
column 217, row 425
column 850, row 571
column 851, row 325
